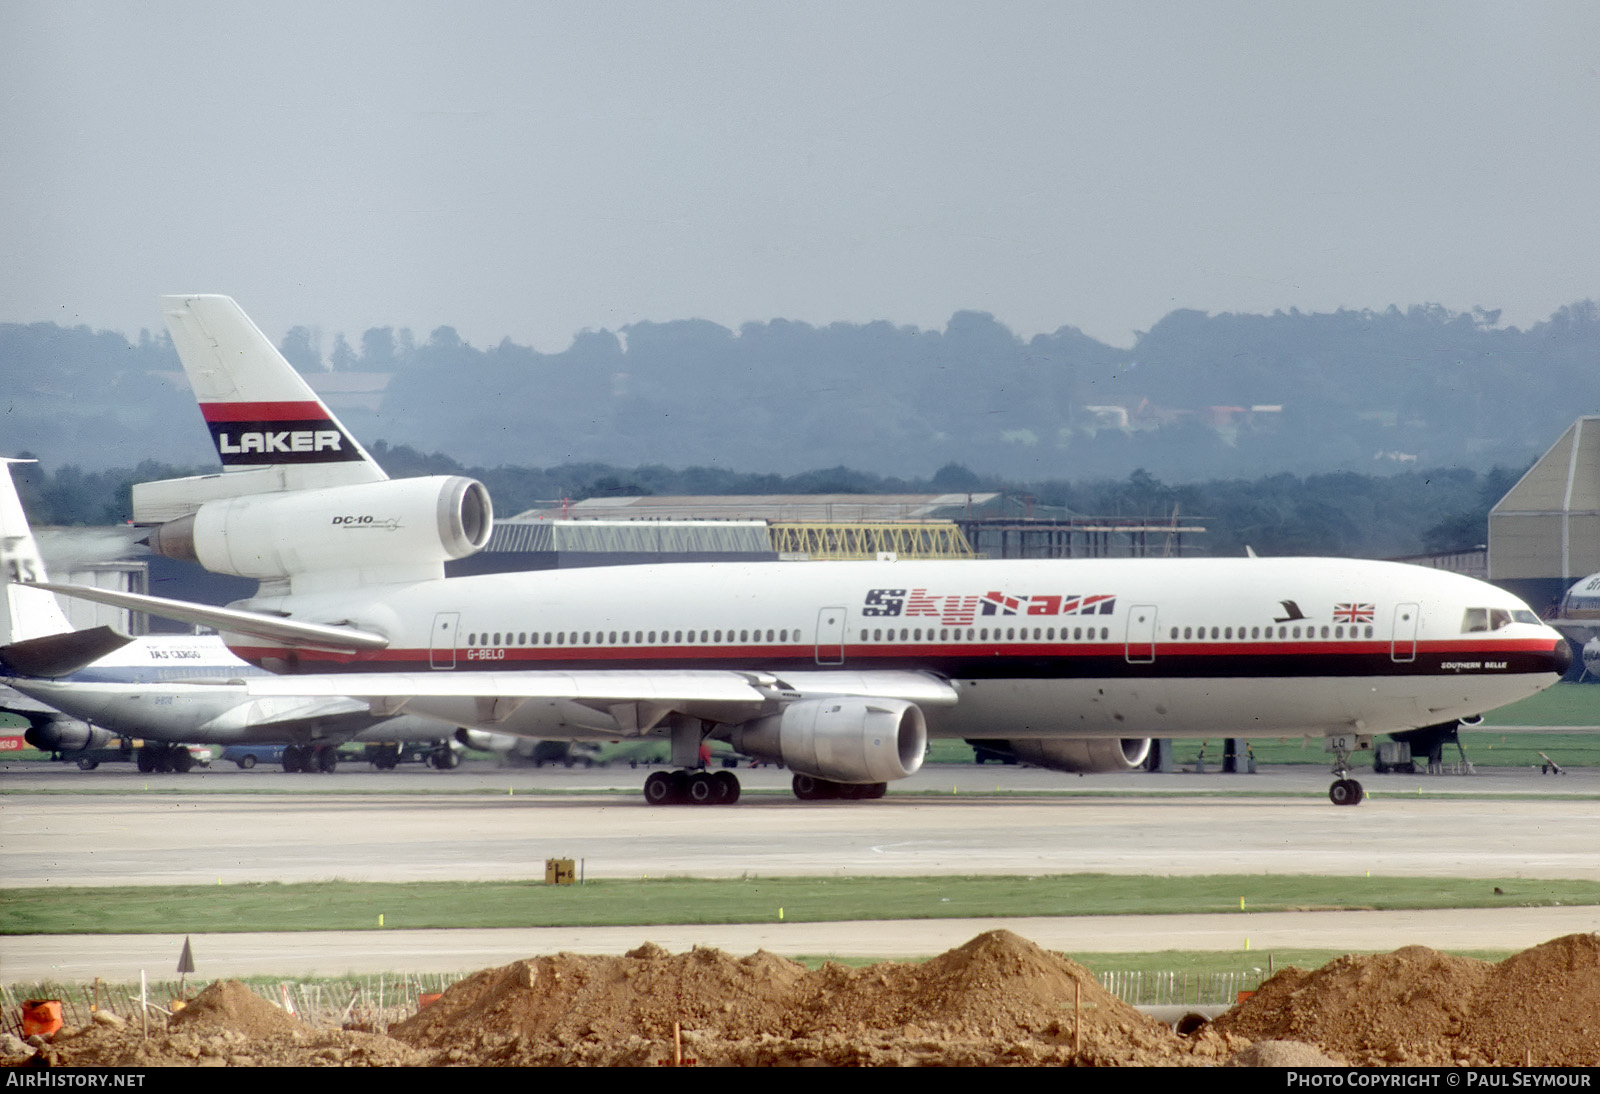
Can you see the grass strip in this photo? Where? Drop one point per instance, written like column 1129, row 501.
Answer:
column 342, row 905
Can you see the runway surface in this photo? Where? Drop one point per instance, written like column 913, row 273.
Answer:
column 104, row 828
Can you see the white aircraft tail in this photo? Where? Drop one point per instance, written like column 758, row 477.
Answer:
column 36, row 638
column 28, row 613
column 271, row 431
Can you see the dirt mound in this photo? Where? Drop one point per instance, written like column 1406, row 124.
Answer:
column 1542, row 1005
column 997, row 985
column 1420, row 1007
column 229, row 1005
column 568, row 998
column 998, row 999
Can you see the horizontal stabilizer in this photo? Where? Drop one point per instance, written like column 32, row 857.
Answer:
column 269, row 628
column 61, row 654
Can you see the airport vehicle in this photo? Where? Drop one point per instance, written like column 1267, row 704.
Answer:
column 840, row 670
column 80, row 690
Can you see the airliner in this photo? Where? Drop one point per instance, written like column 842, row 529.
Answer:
column 169, row 690
column 839, row 670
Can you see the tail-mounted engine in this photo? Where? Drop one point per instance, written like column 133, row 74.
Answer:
column 402, row 524
column 1087, row 756
column 845, row 740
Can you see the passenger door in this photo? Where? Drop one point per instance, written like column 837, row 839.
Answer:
column 442, row 646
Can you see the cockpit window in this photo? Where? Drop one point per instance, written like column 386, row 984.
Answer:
column 1523, row 615
column 1479, row 620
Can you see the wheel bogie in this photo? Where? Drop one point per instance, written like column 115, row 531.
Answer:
column 691, row 788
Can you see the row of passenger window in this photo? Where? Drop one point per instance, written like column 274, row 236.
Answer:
column 1228, row 633
column 623, row 638
column 981, row 634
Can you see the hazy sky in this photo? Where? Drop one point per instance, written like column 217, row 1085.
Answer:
column 532, row 169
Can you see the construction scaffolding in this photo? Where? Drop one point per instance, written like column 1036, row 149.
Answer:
column 832, row 540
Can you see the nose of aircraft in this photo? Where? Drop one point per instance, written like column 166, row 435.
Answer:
column 1561, row 657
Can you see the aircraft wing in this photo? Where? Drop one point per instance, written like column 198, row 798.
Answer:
column 637, row 699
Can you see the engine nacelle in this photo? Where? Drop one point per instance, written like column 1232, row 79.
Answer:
column 401, row 522
column 845, row 740
column 481, row 740
column 1079, row 755
column 67, row 735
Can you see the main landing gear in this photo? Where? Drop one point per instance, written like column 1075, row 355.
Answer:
column 312, row 758
column 155, row 756
column 691, row 788
column 1345, row 790
column 809, row 788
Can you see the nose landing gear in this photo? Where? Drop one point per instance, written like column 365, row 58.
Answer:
column 1345, row 790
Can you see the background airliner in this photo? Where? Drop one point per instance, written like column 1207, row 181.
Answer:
column 839, row 670
column 169, row 691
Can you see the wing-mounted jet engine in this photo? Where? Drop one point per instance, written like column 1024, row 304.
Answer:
column 51, row 732
column 1078, row 756
column 839, row 748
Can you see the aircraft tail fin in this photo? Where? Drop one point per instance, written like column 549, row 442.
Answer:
column 271, row 431
column 27, row 613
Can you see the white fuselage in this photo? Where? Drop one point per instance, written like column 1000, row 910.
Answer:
column 1102, row 648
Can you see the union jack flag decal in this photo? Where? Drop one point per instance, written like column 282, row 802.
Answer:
column 1353, row 613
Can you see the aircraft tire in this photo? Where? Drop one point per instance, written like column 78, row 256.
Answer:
column 148, row 761
column 327, row 760
column 809, row 788
column 729, row 782
column 179, row 760
column 658, row 789
column 293, row 762
column 702, row 789
column 1346, row 792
